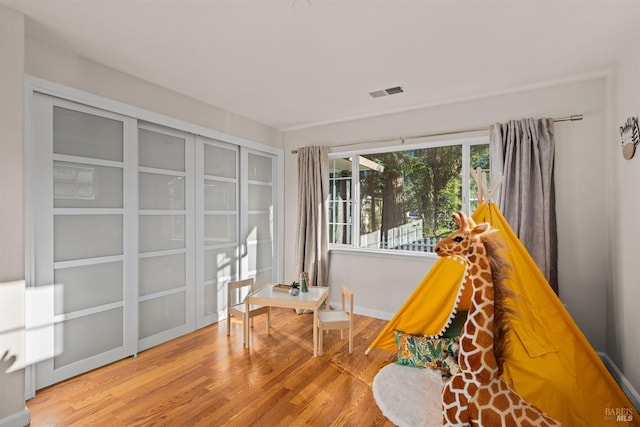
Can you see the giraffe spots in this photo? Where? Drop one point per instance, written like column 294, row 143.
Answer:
column 548, row 421
column 450, row 414
column 501, row 402
column 467, row 347
column 511, row 420
column 472, row 386
column 469, row 329
column 457, row 382
column 488, row 294
column 495, row 403
column 484, row 339
column 454, row 401
column 473, row 272
column 480, row 318
column 529, row 413
column 483, row 398
column 474, row 363
column 479, row 282
column 482, row 304
column 515, row 399
column 485, row 304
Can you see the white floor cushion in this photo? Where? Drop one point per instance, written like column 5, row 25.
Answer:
column 409, row 396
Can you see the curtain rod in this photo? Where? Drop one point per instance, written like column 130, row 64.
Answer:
column 572, row 118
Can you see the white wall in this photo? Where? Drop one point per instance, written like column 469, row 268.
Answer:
column 623, row 337
column 381, row 285
column 11, row 148
column 66, row 68
column 12, row 244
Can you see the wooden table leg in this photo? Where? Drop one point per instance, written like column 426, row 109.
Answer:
column 269, row 321
column 245, row 326
column 315, row 332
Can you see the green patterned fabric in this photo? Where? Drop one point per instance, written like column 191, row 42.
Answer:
column 426, row 352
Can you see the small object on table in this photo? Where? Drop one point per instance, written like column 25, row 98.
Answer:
column 304, row 280
column 281, row 288
column 295, row 289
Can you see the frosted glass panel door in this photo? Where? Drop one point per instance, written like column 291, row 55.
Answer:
column 259, row 227
column 134, row 230
column 217, row 236
column 83, row 261
column 165, row 203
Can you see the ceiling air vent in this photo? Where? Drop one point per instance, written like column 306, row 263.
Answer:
column 385, row 92
column 394, row 90
column 378, row 93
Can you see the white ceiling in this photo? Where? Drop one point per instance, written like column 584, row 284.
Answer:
column 295, row 63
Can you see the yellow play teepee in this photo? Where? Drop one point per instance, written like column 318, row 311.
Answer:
column 549, row 362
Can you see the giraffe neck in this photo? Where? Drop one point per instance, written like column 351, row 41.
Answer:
column 476, row 354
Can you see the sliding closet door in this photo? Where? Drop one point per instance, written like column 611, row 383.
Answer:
column 217, row 226
column 135, row 230
column 258, row 225
column 85, row 249
column 166, row 288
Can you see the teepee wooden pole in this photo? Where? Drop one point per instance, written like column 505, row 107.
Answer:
column 481, row 181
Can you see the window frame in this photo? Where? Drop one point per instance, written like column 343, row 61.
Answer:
column 466, row 142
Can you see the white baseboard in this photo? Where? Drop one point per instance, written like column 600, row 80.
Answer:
column 374, row 313
column 625, row 385
column 19, row 419
column 364, row 311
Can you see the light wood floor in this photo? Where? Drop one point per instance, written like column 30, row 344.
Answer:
column 208, row 379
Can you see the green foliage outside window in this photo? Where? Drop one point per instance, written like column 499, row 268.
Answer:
column 406, row 197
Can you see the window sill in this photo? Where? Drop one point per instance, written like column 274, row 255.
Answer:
column 405, row 255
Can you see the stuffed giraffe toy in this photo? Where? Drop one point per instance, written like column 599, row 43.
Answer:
column 477, row 395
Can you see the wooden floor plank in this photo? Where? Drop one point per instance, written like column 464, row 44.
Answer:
column 208, row 379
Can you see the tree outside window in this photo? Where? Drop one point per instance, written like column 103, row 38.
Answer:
column 405, row 198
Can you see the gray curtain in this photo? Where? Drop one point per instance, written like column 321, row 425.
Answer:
column 523, row 152
column 313, row 195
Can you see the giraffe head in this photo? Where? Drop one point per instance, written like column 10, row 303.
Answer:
column 459, row 242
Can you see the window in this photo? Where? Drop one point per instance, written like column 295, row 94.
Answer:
column 403, row 199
